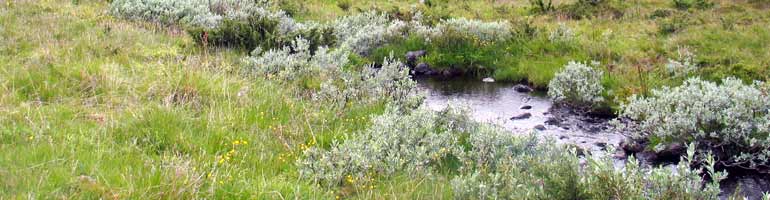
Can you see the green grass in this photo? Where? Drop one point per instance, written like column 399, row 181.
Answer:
column 727, row 40
column 97, row 107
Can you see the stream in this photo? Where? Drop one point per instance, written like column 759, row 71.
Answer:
column 498, row 102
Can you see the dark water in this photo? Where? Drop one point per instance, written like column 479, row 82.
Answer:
column 498, row 102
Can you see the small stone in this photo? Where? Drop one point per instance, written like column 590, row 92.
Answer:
column 522, row 116
column 422, row 68
column 673, row 150
column 631, row 146
column 522, row 88
column 552, row 121
column 526, row 107
column 540, row 127
column 563, row 137
column 412, row 56
column 601, row 144
column 488, row 80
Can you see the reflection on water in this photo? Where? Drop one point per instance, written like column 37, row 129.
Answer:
column 490, row 102
column 498, row 102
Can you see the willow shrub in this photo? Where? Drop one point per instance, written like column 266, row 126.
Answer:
column 328, row 76
column 578, row 85
column 240, row 23
column 731, row 118
column 487, row 162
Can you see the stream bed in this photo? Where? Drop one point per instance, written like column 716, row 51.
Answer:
column 499, row 102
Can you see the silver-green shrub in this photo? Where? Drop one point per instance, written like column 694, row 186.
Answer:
column 732, row 117
column 578, row 85
column 413, row 143
column 363, row 32
column 492, row 163
column 201, row 13
column 484, row 31
column 494, row 31
column 296, row 62
column 390, row 82
column 528, row 168
column 163, row 11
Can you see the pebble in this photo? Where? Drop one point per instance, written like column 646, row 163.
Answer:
column 522, row 116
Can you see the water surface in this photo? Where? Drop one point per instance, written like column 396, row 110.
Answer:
column 498, row 102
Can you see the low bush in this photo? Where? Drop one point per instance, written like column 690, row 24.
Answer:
column 363, row 32
column 484, row 31
column 328, row 76
column 258, row 32
column 732, row 119
column 525, row 168
column 163, row 11
column 488, row 162
column 249, row 34
column 577, row 85
column 416, row 143
column 245, row 24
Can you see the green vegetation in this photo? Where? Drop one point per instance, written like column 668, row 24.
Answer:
column 96, row 107
column 730, row 119
column 280, row 99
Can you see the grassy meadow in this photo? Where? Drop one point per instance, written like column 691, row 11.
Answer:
column 93, row 106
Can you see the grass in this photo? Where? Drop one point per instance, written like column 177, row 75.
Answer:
column 97, row 107
column 633, row 48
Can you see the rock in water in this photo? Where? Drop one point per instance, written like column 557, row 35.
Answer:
column 522, row 116
column 631, row 146
column 412, row 56
column 423, row 68
column 673, row 150
column 540, row 127
column 488, row 80
column 522, row 88
column 526, row 107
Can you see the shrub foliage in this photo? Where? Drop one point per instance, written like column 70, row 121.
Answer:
column 488, row 162
column 732, row 119
column 577, row 85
